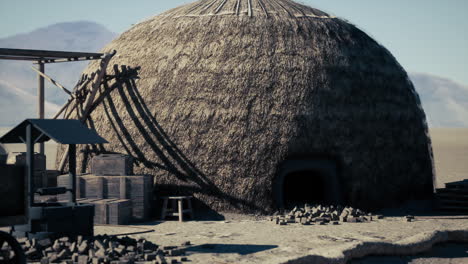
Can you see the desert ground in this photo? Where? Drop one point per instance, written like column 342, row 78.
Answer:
column 255, row 239
column 450, row 146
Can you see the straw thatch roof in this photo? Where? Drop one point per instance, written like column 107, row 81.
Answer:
column 230, row 89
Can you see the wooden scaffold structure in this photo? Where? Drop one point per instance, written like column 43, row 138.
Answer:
column 89, row 91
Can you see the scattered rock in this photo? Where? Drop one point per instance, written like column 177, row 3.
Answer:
column 99, row 249
column 324, row 215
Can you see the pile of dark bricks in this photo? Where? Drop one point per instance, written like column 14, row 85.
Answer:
column 101, row 250
column 323, row 215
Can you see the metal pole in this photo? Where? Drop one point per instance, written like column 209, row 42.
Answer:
column 30, row 163
column 72, row 172
column 41, row 99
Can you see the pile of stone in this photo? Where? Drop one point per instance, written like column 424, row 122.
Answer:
column 322, row 215
column 101, row 250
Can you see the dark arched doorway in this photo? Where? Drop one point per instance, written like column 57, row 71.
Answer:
column 311, row 181
column 303, row 186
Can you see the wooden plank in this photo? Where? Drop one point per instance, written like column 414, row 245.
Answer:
column 46, row 53
column 69, row 60
column 19, row 58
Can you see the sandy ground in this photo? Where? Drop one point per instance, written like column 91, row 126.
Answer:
column 450, row 147
column 262, row 241
column 246, row 239
column 441, row 254
column 241, row 239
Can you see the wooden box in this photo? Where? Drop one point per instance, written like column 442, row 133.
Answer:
column 136, row 188
column 112, row 165
column 110, row 211
column 20, row 159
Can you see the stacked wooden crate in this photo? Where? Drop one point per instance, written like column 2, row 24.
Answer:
column 453, row 198
column 107, row 182
column 39, row 167
column 110, row 211
column 138, row 189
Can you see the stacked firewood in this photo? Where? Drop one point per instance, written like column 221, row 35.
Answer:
column 100, row 249
column 322, row 215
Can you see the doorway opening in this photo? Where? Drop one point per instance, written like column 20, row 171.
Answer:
column 307, row 181
column 301, row 187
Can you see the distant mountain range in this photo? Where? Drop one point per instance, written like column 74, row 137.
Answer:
column 445, row 101
column 18, row 82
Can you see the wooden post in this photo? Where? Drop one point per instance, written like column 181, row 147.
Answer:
column 72, row 172
column 164, row 208
column 30, row 163
column 180, row 209
column 40, row 96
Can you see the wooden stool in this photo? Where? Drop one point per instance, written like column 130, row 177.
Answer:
column 176, row 202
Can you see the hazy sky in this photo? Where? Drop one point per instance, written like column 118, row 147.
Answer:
column 428, row 36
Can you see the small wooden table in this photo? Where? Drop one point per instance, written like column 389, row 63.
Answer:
column 176, row 204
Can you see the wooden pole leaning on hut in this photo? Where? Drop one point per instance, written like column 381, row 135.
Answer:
column 54, row 82
column 79, row 92
column 83, row 110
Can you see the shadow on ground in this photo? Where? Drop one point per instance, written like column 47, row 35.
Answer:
column 440, row 254
column 229, row 248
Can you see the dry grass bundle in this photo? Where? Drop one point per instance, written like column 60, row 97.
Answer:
column 229, row 89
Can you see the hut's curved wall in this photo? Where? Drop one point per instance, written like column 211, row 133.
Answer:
column 223, row 99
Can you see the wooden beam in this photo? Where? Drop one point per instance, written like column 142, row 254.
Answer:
column 70, row 60
column 101, row 72
column 47, row 53
column 19, row 58
column 54, row 82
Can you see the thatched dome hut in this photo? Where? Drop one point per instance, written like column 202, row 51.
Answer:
column 251, row 105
